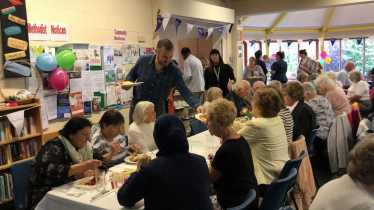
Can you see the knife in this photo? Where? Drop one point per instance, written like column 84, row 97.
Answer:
column 102, row 195
column 98, row 195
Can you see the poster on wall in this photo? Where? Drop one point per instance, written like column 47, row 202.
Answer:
column 87, row 108
column 82, row 55
column 76, row 104
column 146, row 51
column 95, row 58
column 130, row 53
column 15, row 39
column 120, row 35
column 108, row 55
column 63, row 105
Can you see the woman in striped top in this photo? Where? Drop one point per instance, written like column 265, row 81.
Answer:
column 108, row 139
column 286, row 117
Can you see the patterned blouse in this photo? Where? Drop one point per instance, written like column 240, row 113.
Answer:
column 50, row 169
column 324, row 115
column 287, row 119
column 102, row 146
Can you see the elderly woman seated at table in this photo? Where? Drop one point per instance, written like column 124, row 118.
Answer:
column 212, row 94
column 303, row 77
column 141, row 130
column 63, row 159
column 176, row 179
column 332, row 75
column 108, row 139
column 233, row 160
column 303, row 116
column 324, row 117
column 359, row 92
column 336, row 97
column 266, row 137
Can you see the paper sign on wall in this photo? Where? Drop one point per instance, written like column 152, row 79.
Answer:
column 38, row 31
column 16, row 118
column 59, row 32
column 120, row 35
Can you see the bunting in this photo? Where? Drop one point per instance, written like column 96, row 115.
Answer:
column 220, row 30
column 201, row 30
column 210, row 30
column 359, row 40
column 166, row 19
column 345, row 41
column 262, row 42
column 310, row 41
column 371, row 39
column 177, row 24
column 300, row 41
column 253, row 42
column 279, row 41
column 159, row 23
column 332, row 41
column 229, row 28
column 289, row 42
column 320, row 40
column 189, row 28
column 268, row 41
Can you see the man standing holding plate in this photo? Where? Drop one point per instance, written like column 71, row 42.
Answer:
column 159, row 75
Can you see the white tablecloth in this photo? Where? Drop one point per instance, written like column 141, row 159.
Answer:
column 57, row 198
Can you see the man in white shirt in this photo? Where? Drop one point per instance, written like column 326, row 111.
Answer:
column 343, row 76
column 193, row 74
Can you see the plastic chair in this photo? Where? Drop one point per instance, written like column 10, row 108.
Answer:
column 197, row 127
column 293, row 163
column 250, row 197
column 20, row 177
column 276, row 193
column 286, row 208
column 310, row 140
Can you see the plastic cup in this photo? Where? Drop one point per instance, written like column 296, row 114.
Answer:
column 100, row 180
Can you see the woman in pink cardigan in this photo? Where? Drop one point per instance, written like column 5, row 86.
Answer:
column 337, row 98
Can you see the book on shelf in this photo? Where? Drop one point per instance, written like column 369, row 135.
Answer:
column 18, row 151
column 6, row 187
column 8, row 131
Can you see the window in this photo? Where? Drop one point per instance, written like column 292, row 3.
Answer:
column 310, row 49
column 251, row 50
column 273, row 48
column 291, row 54
column 353, row 52
column 333, row 52
column 369, row 55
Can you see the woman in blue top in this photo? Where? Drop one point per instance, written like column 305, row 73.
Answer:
column 279, row 69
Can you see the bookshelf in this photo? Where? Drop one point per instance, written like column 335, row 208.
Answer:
column 37, row 135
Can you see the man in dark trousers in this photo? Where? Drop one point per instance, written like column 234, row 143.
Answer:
column 261, row 63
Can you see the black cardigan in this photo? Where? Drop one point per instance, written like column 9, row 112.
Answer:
column 179, row 181
column 263, row 66
column 304, row 120
column 226, row 74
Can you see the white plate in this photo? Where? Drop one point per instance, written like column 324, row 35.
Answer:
column 84, row 187
column 133, row 84
column 127, row 159
column 197, row 116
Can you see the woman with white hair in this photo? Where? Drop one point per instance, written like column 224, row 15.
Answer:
column 303, row 77
column 359, row 92
column 332, row 76
column 212, row 94
column 141, row 130
column 324, row 117
column 337, row 99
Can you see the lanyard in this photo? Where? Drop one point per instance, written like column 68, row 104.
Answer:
column 219, row 70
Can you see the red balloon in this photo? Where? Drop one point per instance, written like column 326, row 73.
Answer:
column 58, row 79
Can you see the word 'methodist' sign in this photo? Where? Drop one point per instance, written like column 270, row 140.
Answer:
column 48, row 32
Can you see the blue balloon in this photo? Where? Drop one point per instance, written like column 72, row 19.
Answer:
column 321, row 61
column 46, row 62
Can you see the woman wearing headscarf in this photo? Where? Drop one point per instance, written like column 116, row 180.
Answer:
column 176, row 179
column 63, row 159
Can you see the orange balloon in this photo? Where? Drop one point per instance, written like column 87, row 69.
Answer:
column 327, row 60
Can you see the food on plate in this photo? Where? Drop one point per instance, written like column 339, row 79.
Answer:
column 203, row 117
column 254, row 77
column 126, row 172
column 134, row 157
column 127, row 83
column 89, row 182
column 247, row 113
column 241, row 119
